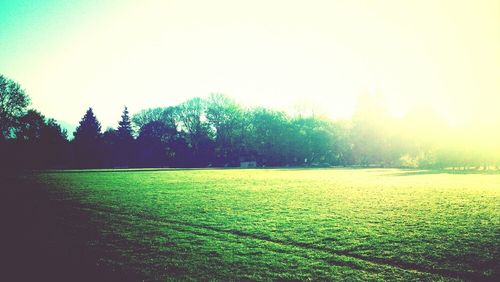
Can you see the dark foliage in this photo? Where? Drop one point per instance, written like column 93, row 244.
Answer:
column 87, row 144
column 218, row 132
column 37, row 143
column 13, row 103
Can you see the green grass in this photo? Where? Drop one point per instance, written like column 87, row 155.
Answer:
column 333, row 224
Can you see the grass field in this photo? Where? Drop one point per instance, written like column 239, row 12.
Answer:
column 305, row 224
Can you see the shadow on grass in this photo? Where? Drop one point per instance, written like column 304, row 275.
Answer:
column 411, row 172
column 397, row 171
column 49, row 240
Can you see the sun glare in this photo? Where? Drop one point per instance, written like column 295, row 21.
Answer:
column 322, row 55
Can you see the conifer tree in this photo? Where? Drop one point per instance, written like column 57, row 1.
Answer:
column 125, row 126
column 125, row 148
column 89, row 128
column 87, row 142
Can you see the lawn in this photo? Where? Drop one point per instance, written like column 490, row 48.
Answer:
column 261, row 224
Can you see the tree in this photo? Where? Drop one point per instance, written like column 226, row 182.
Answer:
column 343, row 146
column 109, row 142
column 191, row 113
column 125, row 127
column 39, row 143
column 420, row 131
column 26, row 151
column 167, row 115
column 31, row 126
column 161, row 145
column 54, row 143
column 124, row 146
column 13, row 104
column 372, row 132
column 269, row 137
column 87, row 141
column 227, row 119
column 192, row 117
column 89, row 128
column 53, row 132
column 312, row 141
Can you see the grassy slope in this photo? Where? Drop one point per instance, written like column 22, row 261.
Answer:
column 283, row 224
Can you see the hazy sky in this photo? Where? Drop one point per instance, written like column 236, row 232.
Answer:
column 70, row 55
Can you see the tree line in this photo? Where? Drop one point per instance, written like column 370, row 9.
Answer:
column 218, row 132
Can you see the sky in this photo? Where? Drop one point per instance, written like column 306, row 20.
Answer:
column 284, row 54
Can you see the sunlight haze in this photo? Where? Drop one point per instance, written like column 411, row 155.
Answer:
column 290, row 55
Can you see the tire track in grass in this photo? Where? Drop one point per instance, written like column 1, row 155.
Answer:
column 221, row 235
column 346, row 253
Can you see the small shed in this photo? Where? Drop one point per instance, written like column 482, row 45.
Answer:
column 248, row 164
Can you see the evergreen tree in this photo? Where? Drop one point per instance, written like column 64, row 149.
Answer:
column 125, row 126
column 87, row 142
column 125, row 148
column 89, row 129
